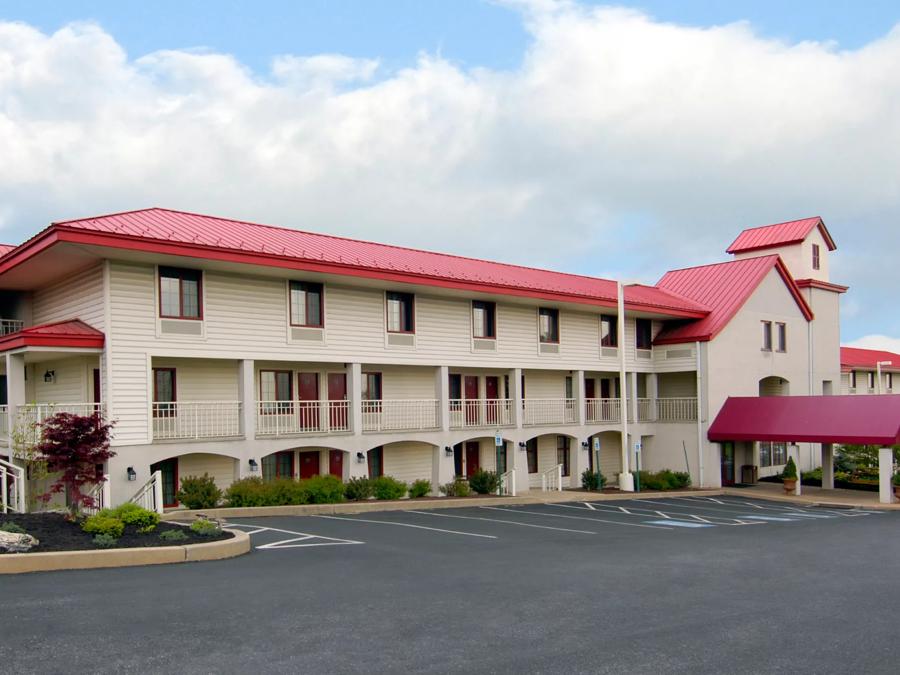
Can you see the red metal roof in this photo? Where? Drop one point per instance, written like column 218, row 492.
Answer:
column 864, row 420
column 6, row 248
column 769, row 236
column 724, row 288
column 853, row 358
column 71, row 333
column 189, row 234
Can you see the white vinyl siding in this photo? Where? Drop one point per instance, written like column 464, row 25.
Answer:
column 221, row 469
column 677, row 385
column 73, row 381
column 77, row 297
column 408, row 461
column 203, row 379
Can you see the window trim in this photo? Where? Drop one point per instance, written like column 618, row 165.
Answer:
column 554, row 312
column 816, row 259
column 870, row 380
column 181, row 317
column 276, row 371
column 566, row 444
column 853, row 379
column 412, row 313
column 889, row 381
column 532, row 450
column 780, row 337
column 637, row 334
column 173, row 411
column 380, row 379
column 493, row 316
column 613, row 337
column 767, row 336
column 321, row 287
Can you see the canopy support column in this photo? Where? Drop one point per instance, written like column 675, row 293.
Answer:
column 828, row 466
column 885, row 474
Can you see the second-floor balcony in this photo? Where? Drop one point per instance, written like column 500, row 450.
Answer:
column 196, row 419
column 481, row 413
column 401, row 415
column 285, row 418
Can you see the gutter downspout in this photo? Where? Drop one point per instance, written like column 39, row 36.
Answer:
column 700, row 382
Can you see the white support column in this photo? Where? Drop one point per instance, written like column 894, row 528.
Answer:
column 580, row 397
column 354, row 393
column 442, row 394
column 794, row 451
column 247, row 396
column 15, row 389
column 580, row 460
column 652, row 381
column 515, row 385
column 633, row 385
column 885, row 475
column 442, row 468
column 828, row 466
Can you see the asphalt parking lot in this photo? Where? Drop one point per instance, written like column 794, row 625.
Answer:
column 680, row 585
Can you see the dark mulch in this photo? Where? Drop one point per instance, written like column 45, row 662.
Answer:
column 55, row 533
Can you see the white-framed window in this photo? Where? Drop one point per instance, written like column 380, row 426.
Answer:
column 307, row 304
column 643, row 333
column 853, row 379
column 815, row 256
column 781, row 337
column 767, row 336
column 772, row 453
column 548, row 325
column 609, row 327
column 400, row 309
column 870, row 379
column 484, row 320
column 180, row 293
column 889, row 381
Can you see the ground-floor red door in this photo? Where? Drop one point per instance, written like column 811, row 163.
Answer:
column 336, row 463
column 727, row 464
column 309, row 464
column 472, row 451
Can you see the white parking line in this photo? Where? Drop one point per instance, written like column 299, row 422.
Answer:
column 730, row 521
column 418, row 527
column 289, row 543
column 496, row 520
column 739, row 505
column 559, row 515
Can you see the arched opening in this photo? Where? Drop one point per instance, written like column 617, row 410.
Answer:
column 221, row 468
column 482, row 452
column 407, row 461
column 610, row 455
column 545, row 452
column 774, row 386
column 305, row 462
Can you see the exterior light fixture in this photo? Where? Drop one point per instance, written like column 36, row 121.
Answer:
column 360, row 457
column 448, row 451
column 132, row 474
column 585, row 445
column 50, row 376
column 254, row 466
column 522, row 445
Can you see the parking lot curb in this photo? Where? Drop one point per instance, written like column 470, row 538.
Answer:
column 19, row 563
column 812, row 501
column 423, row 505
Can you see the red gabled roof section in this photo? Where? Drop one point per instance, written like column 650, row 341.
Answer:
column 6, row 248
column 724, row 288
column 780, row 234
column 863, row 420
column 853, row 358
column 189, row 234
column 71, row 333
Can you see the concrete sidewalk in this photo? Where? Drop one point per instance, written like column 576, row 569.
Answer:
column 860, row 499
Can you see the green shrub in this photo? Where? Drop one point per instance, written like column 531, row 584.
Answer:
column 683, row 478
column 173, row 535
column 199, row 492
column 283, row 492
column 592, row 480
column 246, row 492
column 896, row 479
column 664, row 480
column 105, row 541
column 206, row 528
column 420, row 488
column 386, row 487
column 324, row 490
column 104, row 523
column 359, row 489
column 12, row 528
column 790, row 470
column 136, row 516
column 457, row 488
column 484, row 482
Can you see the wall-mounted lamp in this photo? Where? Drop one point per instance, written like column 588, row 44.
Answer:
column 360, row 457
column 132, row 474
column 254, row 465
column 50, row 376
column 522, row 445
column 448, row 451
column 585, row 445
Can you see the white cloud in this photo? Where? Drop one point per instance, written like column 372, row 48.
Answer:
column 882, row 342
column 620, row 145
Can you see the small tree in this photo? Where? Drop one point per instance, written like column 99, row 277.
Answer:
column 26, row 434
column 790, row 470
column 74, row 445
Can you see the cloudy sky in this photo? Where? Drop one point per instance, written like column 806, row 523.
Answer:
column 613, row 141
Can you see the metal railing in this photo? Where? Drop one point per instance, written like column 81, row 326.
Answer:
column 546, row 411
column 598, row 410
column 12, row 488
column 280, row 418
column 4, row 425
column 676, row 409
column 480, row 412
column 150, row 496
column 508, row 483
column 551, row 479
column 196, row 419
column 100, row 493
column 8, row 326
column 401, row 415
column 37, row 413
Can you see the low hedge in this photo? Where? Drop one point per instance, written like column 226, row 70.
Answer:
column 386, row 487
column 664, row 480
column 285, row 491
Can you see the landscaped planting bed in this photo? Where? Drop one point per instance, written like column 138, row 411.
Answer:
column 55, row 533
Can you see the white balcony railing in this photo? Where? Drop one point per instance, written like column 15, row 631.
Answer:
column 8, row 326
column 548, row 411
column 196, row 419
column 480, row 412
column 4, row 424
column 284, row 418
column 401, row 415
column 37, row 413
column 676, row 409
column 599, row 410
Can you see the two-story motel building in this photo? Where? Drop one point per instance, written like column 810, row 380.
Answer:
column 240, row 349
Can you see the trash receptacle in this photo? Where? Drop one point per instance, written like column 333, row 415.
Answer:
column 749, row 474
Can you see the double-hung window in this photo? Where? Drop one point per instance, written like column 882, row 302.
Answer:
column 870, row 380
column 852, row 379
column 164, row 392
column 767, row 336
column 781, row 334
column 484, row 320
column 276, row 391
column 609, row 326
column 815, row 256
column 180, row 293
column 549, row 325
column 400, row 312
column 306, row 304
column 643, row 333
column 562, row 453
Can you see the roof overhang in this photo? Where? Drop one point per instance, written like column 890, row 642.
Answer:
column 863, row 420
column 822, row 285
column 71, row 335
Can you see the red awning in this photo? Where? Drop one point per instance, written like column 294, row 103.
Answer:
column 73, row 333
column 863, row 420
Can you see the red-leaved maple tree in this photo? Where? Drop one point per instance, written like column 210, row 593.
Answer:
column 73, row 446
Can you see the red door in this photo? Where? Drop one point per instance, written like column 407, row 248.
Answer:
column 337, row 391
column 309, row 401
column 336, row 463
column 472, row 452
column 604, row 388
column 471, row 403
column 590, row 392
column 309, row 464
column 590, row 389
column 492, row 393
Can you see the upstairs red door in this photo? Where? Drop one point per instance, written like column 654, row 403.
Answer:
column 590, row 390
column 337, row 391
column 308, row 390
column 309, row 464
column 336, row 463
column 470, row 385
column 472, row 452
column 492, row 393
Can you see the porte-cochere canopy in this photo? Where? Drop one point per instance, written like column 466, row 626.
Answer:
column 863, row 420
